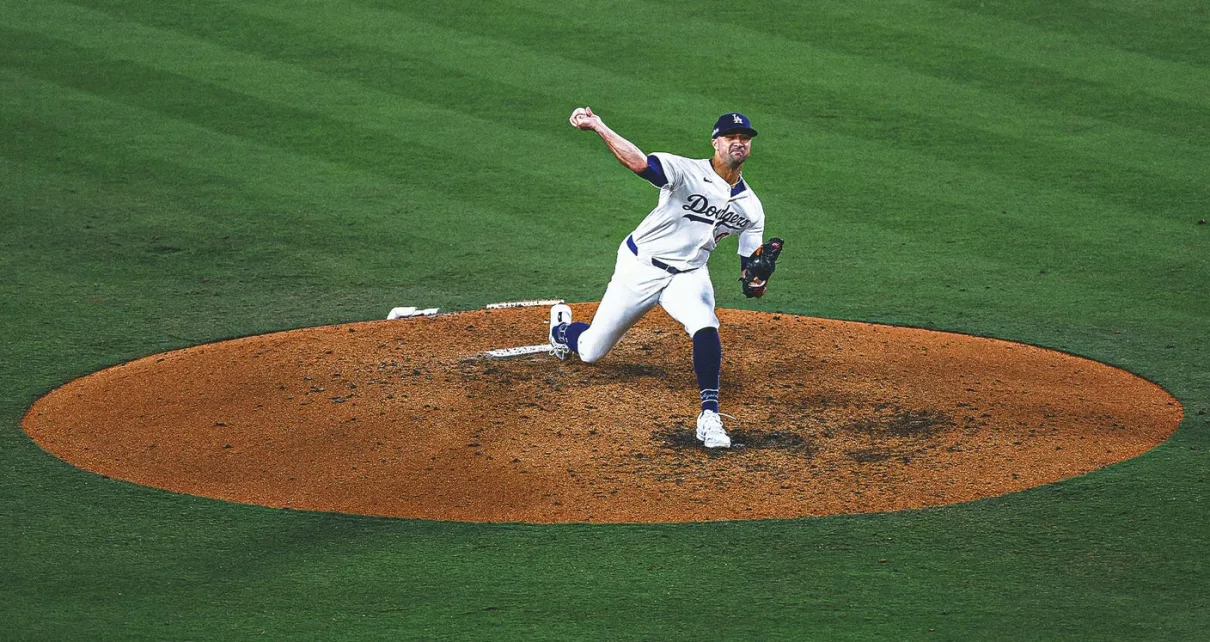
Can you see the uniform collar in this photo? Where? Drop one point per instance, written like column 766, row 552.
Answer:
column 713, row 177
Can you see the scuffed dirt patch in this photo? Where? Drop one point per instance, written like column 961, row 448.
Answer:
column 403, row 418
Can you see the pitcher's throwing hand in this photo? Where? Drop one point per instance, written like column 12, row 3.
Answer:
column 583, row 118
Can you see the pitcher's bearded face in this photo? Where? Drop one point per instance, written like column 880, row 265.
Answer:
column 733, row 149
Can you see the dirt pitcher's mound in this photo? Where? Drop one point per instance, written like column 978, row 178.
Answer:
column 401, row 418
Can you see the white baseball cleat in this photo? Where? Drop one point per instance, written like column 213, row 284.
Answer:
column 560, row 315
column 710, row 430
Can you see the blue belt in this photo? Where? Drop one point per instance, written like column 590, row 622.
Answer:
column 656, row 262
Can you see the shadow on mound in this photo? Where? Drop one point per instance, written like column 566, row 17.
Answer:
column 887, row 435
column 680, row 438
column 902, row 424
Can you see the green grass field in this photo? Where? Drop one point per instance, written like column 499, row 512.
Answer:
column 175, row 173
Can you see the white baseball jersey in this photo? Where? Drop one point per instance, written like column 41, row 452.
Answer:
column 696, row 210
column 664, row 260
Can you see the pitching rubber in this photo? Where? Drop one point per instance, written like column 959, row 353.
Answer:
column 504, row 353
column 409, row 311
column 524, row 304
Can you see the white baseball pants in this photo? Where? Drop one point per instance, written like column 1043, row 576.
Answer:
column 635, row 288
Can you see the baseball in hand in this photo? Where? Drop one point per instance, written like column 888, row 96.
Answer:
column 580, row 117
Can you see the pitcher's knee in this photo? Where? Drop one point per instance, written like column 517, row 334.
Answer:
column 589, row 354
column 708, row 324
column 590, row 348
column 596, row 341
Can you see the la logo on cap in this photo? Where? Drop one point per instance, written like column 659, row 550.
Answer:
column 732, row 121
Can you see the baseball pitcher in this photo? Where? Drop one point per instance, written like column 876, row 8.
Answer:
column 701, row 202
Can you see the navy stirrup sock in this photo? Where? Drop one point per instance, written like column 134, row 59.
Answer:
column 707, row 364
column 572, row 335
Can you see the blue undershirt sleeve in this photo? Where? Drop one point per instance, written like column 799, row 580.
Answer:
column 654, row 173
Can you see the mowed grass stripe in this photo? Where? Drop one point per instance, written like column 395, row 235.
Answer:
column 1173, row 30
column 934, row 115
column 278, row 206
column 505, row 138
column 168, row 257
column 76, row 270
column 152, row 150
column 294, row 108
column 502, row 68
column 889, row 239
column 398, row 42
column 1159, row 174
column 172, row 176
column 335, row 24
column 909, row 161
column 1038, row 68
column 386, row 50
column 241, row 28
column 396, row 38
column 984, row 48
column 787, row 55
column 860, row 187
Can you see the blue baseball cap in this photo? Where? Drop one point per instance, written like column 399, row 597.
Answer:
column 731, row 123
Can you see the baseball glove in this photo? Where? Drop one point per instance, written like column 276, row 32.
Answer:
column 759, row 268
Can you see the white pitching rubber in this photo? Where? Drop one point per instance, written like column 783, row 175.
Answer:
column 505, row 353
column 410, row 311
column 524, row 304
